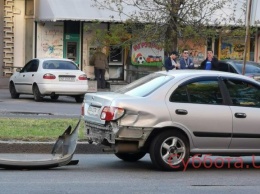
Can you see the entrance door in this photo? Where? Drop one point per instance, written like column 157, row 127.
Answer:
column 72, row 41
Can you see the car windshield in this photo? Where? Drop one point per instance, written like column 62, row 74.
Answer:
column 59, row 64
column 250, row 67
column 146, row 85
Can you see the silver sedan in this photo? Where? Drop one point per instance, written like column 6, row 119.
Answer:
column 175, row 115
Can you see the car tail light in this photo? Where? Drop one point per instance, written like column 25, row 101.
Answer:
column 110, row 113
column 83, row 77
column 49, row 76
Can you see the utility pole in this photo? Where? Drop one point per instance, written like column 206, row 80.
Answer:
column 247, row 38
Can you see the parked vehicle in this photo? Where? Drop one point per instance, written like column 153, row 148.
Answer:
column 49, row 77
column 177, row 114
column 252, row 69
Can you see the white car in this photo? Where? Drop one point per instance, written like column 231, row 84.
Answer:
column 49, row 77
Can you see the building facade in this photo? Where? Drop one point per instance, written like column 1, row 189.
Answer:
column 62, row 29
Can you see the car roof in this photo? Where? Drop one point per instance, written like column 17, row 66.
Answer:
column 54, row 59
column 188, row 73
column 238, row 61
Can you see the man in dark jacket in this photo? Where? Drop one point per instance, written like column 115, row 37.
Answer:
column 171, row 63
column 210, row 63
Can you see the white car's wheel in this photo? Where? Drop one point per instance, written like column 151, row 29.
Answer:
column 13, row 91
column 79, row 98
column 55, row 97
column 37, row 94
column 170, row 151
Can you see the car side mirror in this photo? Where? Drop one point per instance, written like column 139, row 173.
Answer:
column 18, row 69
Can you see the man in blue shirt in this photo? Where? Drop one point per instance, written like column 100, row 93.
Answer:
column 210, row 63
column 186, row 62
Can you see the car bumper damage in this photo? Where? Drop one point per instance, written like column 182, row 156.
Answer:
column 119, row 138
column 61, row 155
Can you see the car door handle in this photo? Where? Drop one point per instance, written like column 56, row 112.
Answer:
column 23, row 75
column 32, row 75
column 181, row 112
column 240, row 115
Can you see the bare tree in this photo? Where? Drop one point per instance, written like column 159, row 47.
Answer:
column 166, row 21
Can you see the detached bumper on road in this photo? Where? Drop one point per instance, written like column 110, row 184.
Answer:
column 61, row 155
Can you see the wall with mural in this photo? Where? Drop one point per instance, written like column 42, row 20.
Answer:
column 50, row 39
column 147, row 54
column 196, row 49
column 232, row 48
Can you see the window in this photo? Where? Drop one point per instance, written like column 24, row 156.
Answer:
column 31, row 66
column 59, row 64
column 115, row 54
column 243, row 93
column 146, row 85
column 198, row 92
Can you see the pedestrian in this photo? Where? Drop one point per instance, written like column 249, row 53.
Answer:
column 186, row 62
column 210, row 63
column 171, row 62
column 99, row 60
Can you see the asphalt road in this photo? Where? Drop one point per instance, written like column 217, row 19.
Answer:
column 109, row 175
column 25, row 106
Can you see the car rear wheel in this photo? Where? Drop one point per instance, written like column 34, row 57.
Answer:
column 55, row 97
column 130, row 157
column 169, row 151
column 79, row 99
column 37, row 94
column 13, row 91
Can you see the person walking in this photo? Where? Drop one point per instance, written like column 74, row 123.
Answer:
column 171, row 63
column 186, row 62
column 210, row 63
column 100, row 63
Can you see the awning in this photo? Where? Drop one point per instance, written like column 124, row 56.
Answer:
column 75, row 10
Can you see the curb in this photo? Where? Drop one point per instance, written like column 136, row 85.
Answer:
column 46, row 148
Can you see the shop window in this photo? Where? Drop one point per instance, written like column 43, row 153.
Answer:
column 115, row 54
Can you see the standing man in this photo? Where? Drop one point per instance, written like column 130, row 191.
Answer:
column 186, row 62
column 170, row 62
column 100, row 63
column 210, row 63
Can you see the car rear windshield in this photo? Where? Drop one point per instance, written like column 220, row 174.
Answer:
column 146, row 85
column 250, row 67
column 59, row 64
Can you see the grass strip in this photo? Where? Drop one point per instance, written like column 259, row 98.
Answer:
column 36, row 129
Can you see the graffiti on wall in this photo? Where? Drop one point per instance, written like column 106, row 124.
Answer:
column 50, row 40
column 232, row 48
column 147, row 54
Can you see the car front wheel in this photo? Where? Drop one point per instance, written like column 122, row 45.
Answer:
column 37, row 94
column 169, row 151
column 130, row 157
column 13, row 91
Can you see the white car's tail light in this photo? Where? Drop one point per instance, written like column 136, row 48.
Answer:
column 83, row 77
column 110, row 113
column 49, row 76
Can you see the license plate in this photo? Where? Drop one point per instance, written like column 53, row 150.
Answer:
column 92, row 110
column 69, row 79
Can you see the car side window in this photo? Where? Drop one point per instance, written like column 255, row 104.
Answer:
column 243, row 93
column 198, row 92
column 31, row 66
